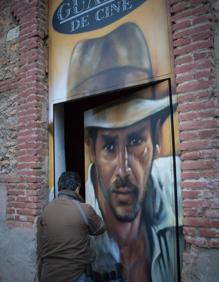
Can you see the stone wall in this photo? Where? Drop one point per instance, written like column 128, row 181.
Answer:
column 193, row 31
column 9, row 31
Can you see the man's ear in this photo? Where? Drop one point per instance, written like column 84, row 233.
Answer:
column 157, row 138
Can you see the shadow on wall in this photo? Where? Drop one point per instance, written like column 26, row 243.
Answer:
column 203, row 266
column 17, row 249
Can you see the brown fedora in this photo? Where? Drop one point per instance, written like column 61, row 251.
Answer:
column 127, row 113
column 118, row 59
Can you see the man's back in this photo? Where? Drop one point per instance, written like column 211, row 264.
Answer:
column 64, row 243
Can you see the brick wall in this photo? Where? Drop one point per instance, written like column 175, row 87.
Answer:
column 193, row 30
column 26, row 80
column 193, row 40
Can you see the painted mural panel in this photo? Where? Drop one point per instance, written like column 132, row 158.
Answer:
column 132, row 183
column 132, row 169
column 113, row 37
column 125, row 39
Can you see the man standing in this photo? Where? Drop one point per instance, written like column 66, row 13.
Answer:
column 64, row 231
column 126, row 187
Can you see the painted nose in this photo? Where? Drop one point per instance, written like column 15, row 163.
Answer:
column 123, row 167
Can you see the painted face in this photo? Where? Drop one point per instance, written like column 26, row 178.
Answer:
column 123, row 159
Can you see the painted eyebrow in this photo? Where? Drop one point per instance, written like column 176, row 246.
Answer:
column 137, row 132
column 109, row 139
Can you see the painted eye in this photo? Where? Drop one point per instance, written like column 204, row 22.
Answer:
column 109, row 147
column 134, row 141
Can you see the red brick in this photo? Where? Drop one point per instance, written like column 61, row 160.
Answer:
column 33, row 193
column 211, row 153
column 11, row 211
column 198, row 115
column 208, row 133
column 194, row 184
column 188, row 58
column 192, row 31
column 203, row 74
column 27, row 211
column 16, row 205
column 190, row 231
column 34, row 206
column 34, row 199
column 31, row 173
column 197, row 105
column 185, row 68
column 192, row 96
column 195, row 203
column 212, row 213
column 198, row 222
column 188, row 175
column 181, row 25
column 17, row 191
column 188, row 135
column 194, row 145
column 203, row 54
column 210, row 173
column 181, row 6
column 202, row 36
column 181, row 42
column 198, row 124
column 191, row 212
column 193, row 47
column 198, row 164
column 29, row 165
column 190, row 12
column 184, row 76
column 193, row 194
column 31, row 179
column 201, row 19
column 193, row 85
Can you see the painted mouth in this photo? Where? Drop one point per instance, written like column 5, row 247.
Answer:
column 124, row 196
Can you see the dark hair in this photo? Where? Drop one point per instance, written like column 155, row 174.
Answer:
column 69, row 180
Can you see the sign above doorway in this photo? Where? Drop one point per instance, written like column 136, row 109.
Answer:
column 73, row 17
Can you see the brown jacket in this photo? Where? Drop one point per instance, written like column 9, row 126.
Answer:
column 63, row 237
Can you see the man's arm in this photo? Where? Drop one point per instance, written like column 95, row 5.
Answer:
column 95, row 223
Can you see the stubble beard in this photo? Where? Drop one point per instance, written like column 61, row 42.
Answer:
column 120, row 214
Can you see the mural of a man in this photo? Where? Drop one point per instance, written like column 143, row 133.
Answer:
column 127, row 189
column 126, row 184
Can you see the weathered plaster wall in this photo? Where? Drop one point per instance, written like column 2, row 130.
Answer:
column 8, row 95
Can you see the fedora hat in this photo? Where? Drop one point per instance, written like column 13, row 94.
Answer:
column 128, row 112
column 117, row 59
